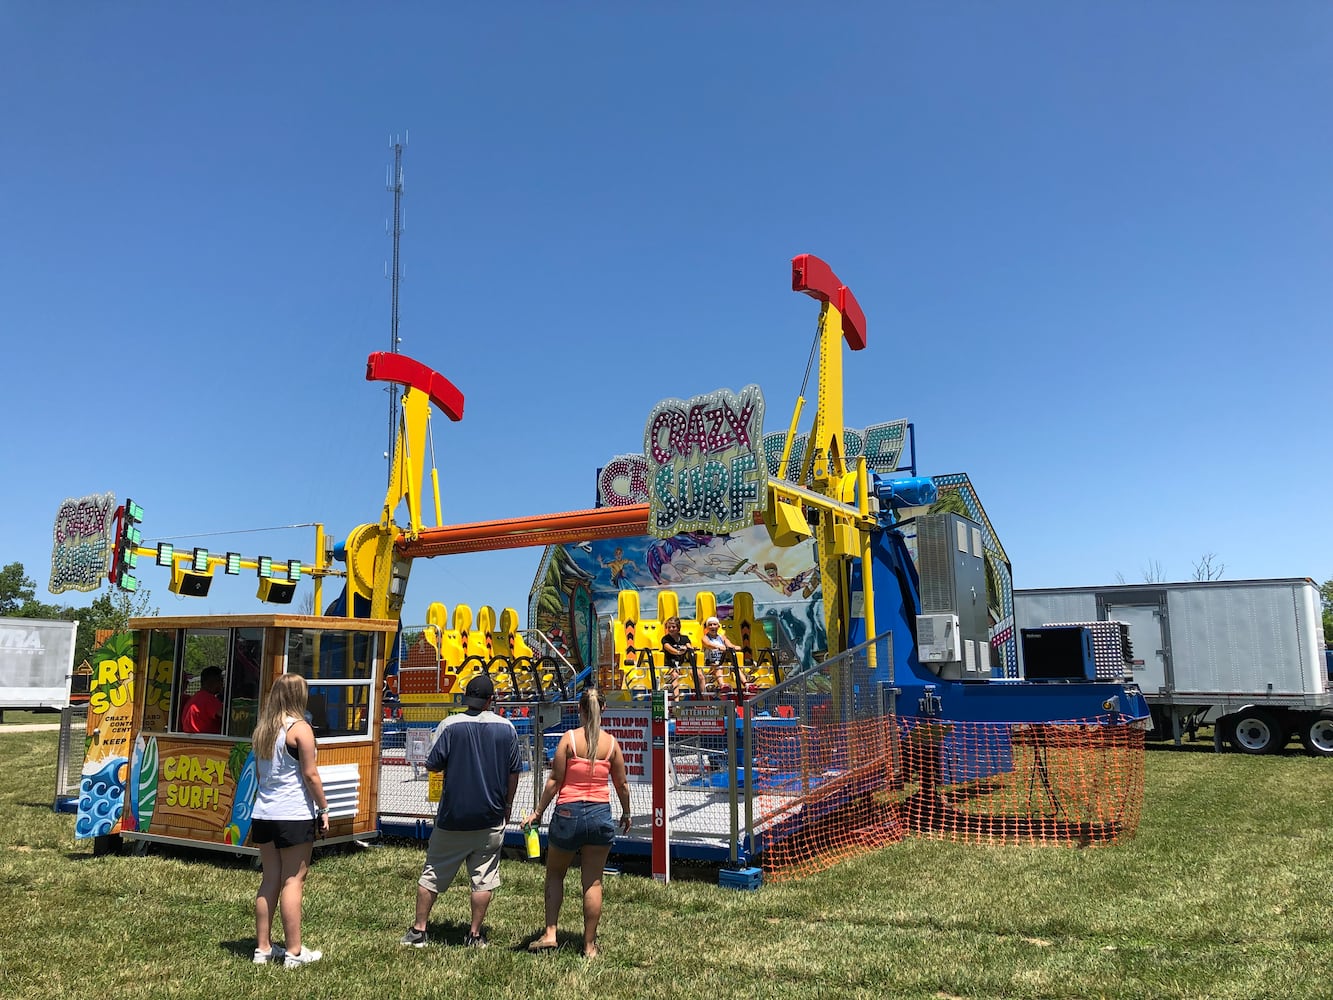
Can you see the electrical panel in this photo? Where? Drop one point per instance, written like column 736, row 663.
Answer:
column 951, row 563
column 1112, row 650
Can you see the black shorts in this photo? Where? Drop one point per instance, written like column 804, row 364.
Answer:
column 282, row 833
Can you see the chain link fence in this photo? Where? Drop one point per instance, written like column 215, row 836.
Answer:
column 835, row 771
column 821, row 749
column 408, row 802
column 69, row 757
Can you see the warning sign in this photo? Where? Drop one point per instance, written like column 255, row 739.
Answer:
column 700, row 719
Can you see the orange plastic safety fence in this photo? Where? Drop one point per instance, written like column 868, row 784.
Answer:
column 828, row 792
column 821, row 794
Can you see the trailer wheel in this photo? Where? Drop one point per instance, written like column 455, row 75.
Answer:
column 1257, row 732
column 1317, row 734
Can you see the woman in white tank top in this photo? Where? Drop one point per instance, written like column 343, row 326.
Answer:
column 289, row 809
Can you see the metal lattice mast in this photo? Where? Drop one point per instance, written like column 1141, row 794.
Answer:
column 395, row 187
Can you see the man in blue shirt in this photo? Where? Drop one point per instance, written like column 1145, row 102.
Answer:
column 479, row 754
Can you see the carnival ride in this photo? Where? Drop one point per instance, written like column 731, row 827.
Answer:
column 931, row 655
column 868, row 579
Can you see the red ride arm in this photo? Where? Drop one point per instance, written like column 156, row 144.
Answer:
column 811, row 275
column 384, row 366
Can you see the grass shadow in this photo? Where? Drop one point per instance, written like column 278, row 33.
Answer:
column 239, row 947
column 448, row 933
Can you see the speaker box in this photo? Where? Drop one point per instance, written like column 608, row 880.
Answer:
column 274, row 591
column 188, row 583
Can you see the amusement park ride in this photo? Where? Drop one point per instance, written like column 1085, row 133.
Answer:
column 834, row 503
column 870, row 582
column 933, row 604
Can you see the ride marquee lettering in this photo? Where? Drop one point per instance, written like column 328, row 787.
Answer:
column 82, row 547
column 705, row 462
column 624, row 480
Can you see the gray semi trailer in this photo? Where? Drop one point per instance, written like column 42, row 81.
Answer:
column 1246, row 656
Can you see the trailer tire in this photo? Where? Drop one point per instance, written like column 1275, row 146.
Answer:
column 1317, row 734
column 1256, row 731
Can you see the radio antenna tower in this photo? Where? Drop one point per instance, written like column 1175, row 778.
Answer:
column 395, row 187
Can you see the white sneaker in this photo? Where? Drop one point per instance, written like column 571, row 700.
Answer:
column 304, row 957
column 275, row 954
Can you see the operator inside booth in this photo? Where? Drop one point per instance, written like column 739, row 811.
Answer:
column 202, row 711
column 206, row 681
column 216, row 681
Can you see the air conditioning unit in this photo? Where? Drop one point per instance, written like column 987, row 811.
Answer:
column 937, row 638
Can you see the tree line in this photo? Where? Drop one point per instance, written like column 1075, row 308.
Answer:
column 112, row 610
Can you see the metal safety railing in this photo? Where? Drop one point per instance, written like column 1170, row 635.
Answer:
column 405, row 785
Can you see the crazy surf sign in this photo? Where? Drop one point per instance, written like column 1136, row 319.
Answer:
column 704, row 462
column 624, row 479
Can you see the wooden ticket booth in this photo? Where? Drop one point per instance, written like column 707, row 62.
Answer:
column 198, row 788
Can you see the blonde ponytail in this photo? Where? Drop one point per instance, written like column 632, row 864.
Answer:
column 590, row 707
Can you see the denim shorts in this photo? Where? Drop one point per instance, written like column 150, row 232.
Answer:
column 574, row 824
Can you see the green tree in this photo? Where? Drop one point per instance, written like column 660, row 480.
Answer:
column 112, row 610
column 1326, row 595
column 16, row 590
column 18, row 596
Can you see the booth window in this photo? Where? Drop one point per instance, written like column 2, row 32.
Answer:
column 215, row 687
column 339, row 668
column 158, row 704
column 247, row 654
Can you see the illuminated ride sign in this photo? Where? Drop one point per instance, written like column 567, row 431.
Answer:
column 625, row 479
column 82, row 543
column 704, row 463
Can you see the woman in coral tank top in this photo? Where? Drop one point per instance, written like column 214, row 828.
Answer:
column 585, row 761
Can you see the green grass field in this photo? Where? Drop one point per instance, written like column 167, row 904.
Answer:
column 20, row 717
column 1224, row 893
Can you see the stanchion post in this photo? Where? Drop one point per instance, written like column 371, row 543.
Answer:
column 748, row 754
column 733, row 775
column 661, row 764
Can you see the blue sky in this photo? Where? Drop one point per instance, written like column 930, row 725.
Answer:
column 1093, row 243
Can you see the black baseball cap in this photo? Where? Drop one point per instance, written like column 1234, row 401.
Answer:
column 479, row 691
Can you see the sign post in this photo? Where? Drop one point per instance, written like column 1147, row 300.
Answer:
column 660, row 770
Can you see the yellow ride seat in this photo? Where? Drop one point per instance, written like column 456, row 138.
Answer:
column 624, row 641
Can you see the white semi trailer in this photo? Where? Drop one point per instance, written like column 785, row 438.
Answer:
column 1246, row 656
column 36, row 662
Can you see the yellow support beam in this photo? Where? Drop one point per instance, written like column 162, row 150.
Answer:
column 843, row 530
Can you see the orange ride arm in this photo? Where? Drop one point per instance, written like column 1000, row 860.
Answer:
column 518, row 532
